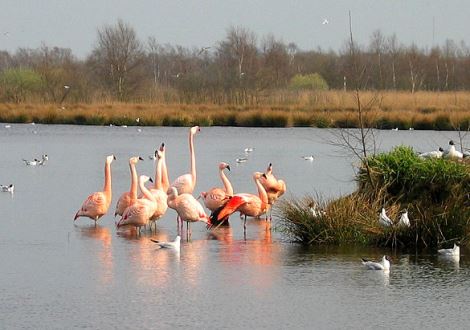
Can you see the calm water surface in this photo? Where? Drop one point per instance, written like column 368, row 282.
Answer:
column 57, row 275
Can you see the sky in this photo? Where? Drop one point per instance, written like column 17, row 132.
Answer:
column 197, row 23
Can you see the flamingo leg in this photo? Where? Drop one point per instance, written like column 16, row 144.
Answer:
column 244, row 227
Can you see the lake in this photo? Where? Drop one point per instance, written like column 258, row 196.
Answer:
column 59, row 275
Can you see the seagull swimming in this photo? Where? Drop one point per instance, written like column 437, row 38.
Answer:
column 31, row 162
column 432, row 154
column 404, row 220
column 248, row 150
column 44, row 159
column 454, row 252
column 154, row 156
column 10, row 188
column 382, row 265
column 325, row 21
column 241, row 160
column 169, row 245
column 310, row 157
column 384, row 220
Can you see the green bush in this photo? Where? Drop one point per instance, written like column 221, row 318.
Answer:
column 312, row 81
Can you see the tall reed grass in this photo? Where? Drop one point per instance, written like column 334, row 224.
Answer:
column 433, row 111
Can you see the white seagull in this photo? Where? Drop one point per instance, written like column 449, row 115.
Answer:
column 31, row 162
column 169, row 245
column 384, row 220
column 248, row 150
column 454, row 252
column 382, row 265
column 404, row 220
column 154, row 156
column 310, row 157
column 10, row 188
column 452, row 153
column 325, row 21
column 432, row 154
column 43, row 160
column 241, row 160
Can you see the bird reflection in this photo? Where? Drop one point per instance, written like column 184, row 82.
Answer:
column 104, row 254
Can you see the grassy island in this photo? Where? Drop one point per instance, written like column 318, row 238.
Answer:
column 435, row 192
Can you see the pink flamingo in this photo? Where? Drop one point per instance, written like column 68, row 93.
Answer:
column 158, row 191
column 215, row 198
column 139, row 213
column 97, row 204
column 185, row 184
column 247, row 204
column 188, row 208
column 129, row 197
column 274, row 188
column 165, row 180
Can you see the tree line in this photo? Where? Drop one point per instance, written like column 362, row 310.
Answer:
column 238, row 69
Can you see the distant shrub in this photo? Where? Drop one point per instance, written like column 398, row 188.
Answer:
column 312, row 81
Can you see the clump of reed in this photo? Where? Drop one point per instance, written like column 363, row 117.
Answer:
column 435, row 192
column 330, row 109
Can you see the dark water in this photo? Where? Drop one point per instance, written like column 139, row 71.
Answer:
column 57, row 275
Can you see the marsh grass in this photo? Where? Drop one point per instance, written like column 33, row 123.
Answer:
column 437, row 111
column 436, row 193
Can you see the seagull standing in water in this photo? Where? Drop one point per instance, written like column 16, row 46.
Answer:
column 169, row 245
column 382, row 265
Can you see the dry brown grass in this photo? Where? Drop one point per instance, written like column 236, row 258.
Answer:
column 422, row 110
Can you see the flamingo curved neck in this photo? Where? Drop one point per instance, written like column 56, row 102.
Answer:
column 107, row 179
column 134, row 181
column 193, row 159
column 146, row 192
column 165, row 179
column 158, row 174
column 262, row 192
column 227, row 185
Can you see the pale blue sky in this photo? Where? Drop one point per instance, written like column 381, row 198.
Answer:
column 73, row 23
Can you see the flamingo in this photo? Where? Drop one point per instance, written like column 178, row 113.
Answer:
column 185, row 184
column 158, row 191
column 139, row 213
column 274, row 188
column 247, row 204
column 216, row 198
column 97, row 204
column 188, row 208
column 129, row 197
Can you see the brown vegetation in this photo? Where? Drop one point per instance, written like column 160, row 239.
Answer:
column 422, row 110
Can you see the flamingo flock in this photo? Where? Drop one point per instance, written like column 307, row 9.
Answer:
column 144, row 209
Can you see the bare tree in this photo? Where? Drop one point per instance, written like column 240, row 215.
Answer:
column 118, row 57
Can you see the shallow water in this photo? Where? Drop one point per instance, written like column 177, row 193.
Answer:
column 57, row 275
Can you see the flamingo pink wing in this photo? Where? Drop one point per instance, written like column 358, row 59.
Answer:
column 233, row 204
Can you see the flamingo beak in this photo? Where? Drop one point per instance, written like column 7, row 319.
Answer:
column 140, row 158
column 264, row 176
column 114, row 157
column 150, row 179
column 228, row 167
